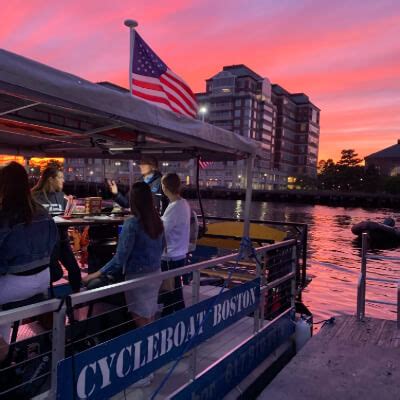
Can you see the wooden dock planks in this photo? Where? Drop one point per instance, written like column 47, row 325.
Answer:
column 348, row 360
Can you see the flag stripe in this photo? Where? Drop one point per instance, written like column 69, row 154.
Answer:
column 184, row 88
column 165, row 81
column 162, row 90
column 154, row 95
column 204, row 164
column 155, row 99
column 180, row 82
column 174, row 96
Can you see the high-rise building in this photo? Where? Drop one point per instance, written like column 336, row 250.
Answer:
column 239, row 100
column 296, row 133
column 286, row 125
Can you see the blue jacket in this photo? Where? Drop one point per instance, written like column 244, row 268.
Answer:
column 26, row 246
column 136, row 252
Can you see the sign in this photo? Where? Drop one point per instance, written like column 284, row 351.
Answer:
column 110, row 367
column 219, row 380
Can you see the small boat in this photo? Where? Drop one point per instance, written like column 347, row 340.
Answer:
column 378, row 232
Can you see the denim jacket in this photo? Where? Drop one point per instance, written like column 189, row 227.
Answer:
column 26, row 246
column 136, row 252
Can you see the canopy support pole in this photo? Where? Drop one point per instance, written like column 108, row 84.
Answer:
column 249, row 189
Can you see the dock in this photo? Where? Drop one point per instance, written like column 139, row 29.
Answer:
column 344, row 361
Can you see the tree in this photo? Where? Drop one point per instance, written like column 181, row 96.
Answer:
column 328, row 175
column 349, row 158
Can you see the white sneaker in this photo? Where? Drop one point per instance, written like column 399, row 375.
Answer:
column 146, row 381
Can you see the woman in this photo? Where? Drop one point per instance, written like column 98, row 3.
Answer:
column 27, row 238
column 138, row 254
column 176, row 219
column 48, row 192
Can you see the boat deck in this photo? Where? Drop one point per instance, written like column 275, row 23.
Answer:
column 209, row 352
column 347, row 360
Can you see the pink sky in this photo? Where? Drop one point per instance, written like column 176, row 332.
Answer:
column 344, row 55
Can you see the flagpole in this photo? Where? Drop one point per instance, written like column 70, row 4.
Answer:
column 131, row 24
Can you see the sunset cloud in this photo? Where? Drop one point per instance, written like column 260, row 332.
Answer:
column 344, row 55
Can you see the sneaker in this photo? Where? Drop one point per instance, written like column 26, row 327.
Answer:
column 146, row 381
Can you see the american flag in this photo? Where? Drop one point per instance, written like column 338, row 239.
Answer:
column 204, row 164
column 154, row 82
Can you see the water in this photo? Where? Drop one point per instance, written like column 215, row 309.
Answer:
column 333, row 289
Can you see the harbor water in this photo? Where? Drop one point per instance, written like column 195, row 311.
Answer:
column 333, row 253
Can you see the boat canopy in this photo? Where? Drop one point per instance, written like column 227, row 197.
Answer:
column 50, row 113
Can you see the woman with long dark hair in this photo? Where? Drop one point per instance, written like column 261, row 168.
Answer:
column 138, row 254
column 49, row 193
column 27, row 238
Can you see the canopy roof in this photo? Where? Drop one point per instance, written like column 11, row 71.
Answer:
column 50, row 113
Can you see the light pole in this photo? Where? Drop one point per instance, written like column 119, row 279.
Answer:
column 203, row 111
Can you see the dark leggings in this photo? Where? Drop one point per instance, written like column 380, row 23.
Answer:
column 173, row 301
column 63, row 253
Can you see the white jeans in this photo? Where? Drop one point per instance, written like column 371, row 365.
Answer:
column 16, row 288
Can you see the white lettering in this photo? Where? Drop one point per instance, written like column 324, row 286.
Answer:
column 105, row 369
column 253, row 295
column 200, row 317
column 152, row 347
column 233, row 306
column 120, row 362
column 246, row 299
column 166, row 340
column 225, row 310
column 191, row 329
column 179, row 334
column 239, row 303
column 138, row 360
column 81, row 384
column 217, row 314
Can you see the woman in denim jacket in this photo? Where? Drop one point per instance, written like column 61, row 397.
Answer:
column 27, row 238
column 139, row 250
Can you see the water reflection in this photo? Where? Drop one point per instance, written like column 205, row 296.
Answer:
column 333, row 290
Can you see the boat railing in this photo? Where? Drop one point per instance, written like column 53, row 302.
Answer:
column 300, row 233
column 279, row 260
column 364, row 278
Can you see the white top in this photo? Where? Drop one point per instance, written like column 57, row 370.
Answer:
column 176, row 219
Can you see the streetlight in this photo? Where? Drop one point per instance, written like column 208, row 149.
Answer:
column 203, row 111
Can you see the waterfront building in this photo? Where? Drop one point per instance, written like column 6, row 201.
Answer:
column 296, row 133
column 387, row 161
column 286, row 125
column 239, row 100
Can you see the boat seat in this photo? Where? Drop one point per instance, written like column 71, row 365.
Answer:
column 37, row 298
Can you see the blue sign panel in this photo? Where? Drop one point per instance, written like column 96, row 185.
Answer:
column 107, row 369
column 224, row 376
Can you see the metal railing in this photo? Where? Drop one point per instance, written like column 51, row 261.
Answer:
column 268, row 285
column 300, row 233
column 363, row 278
